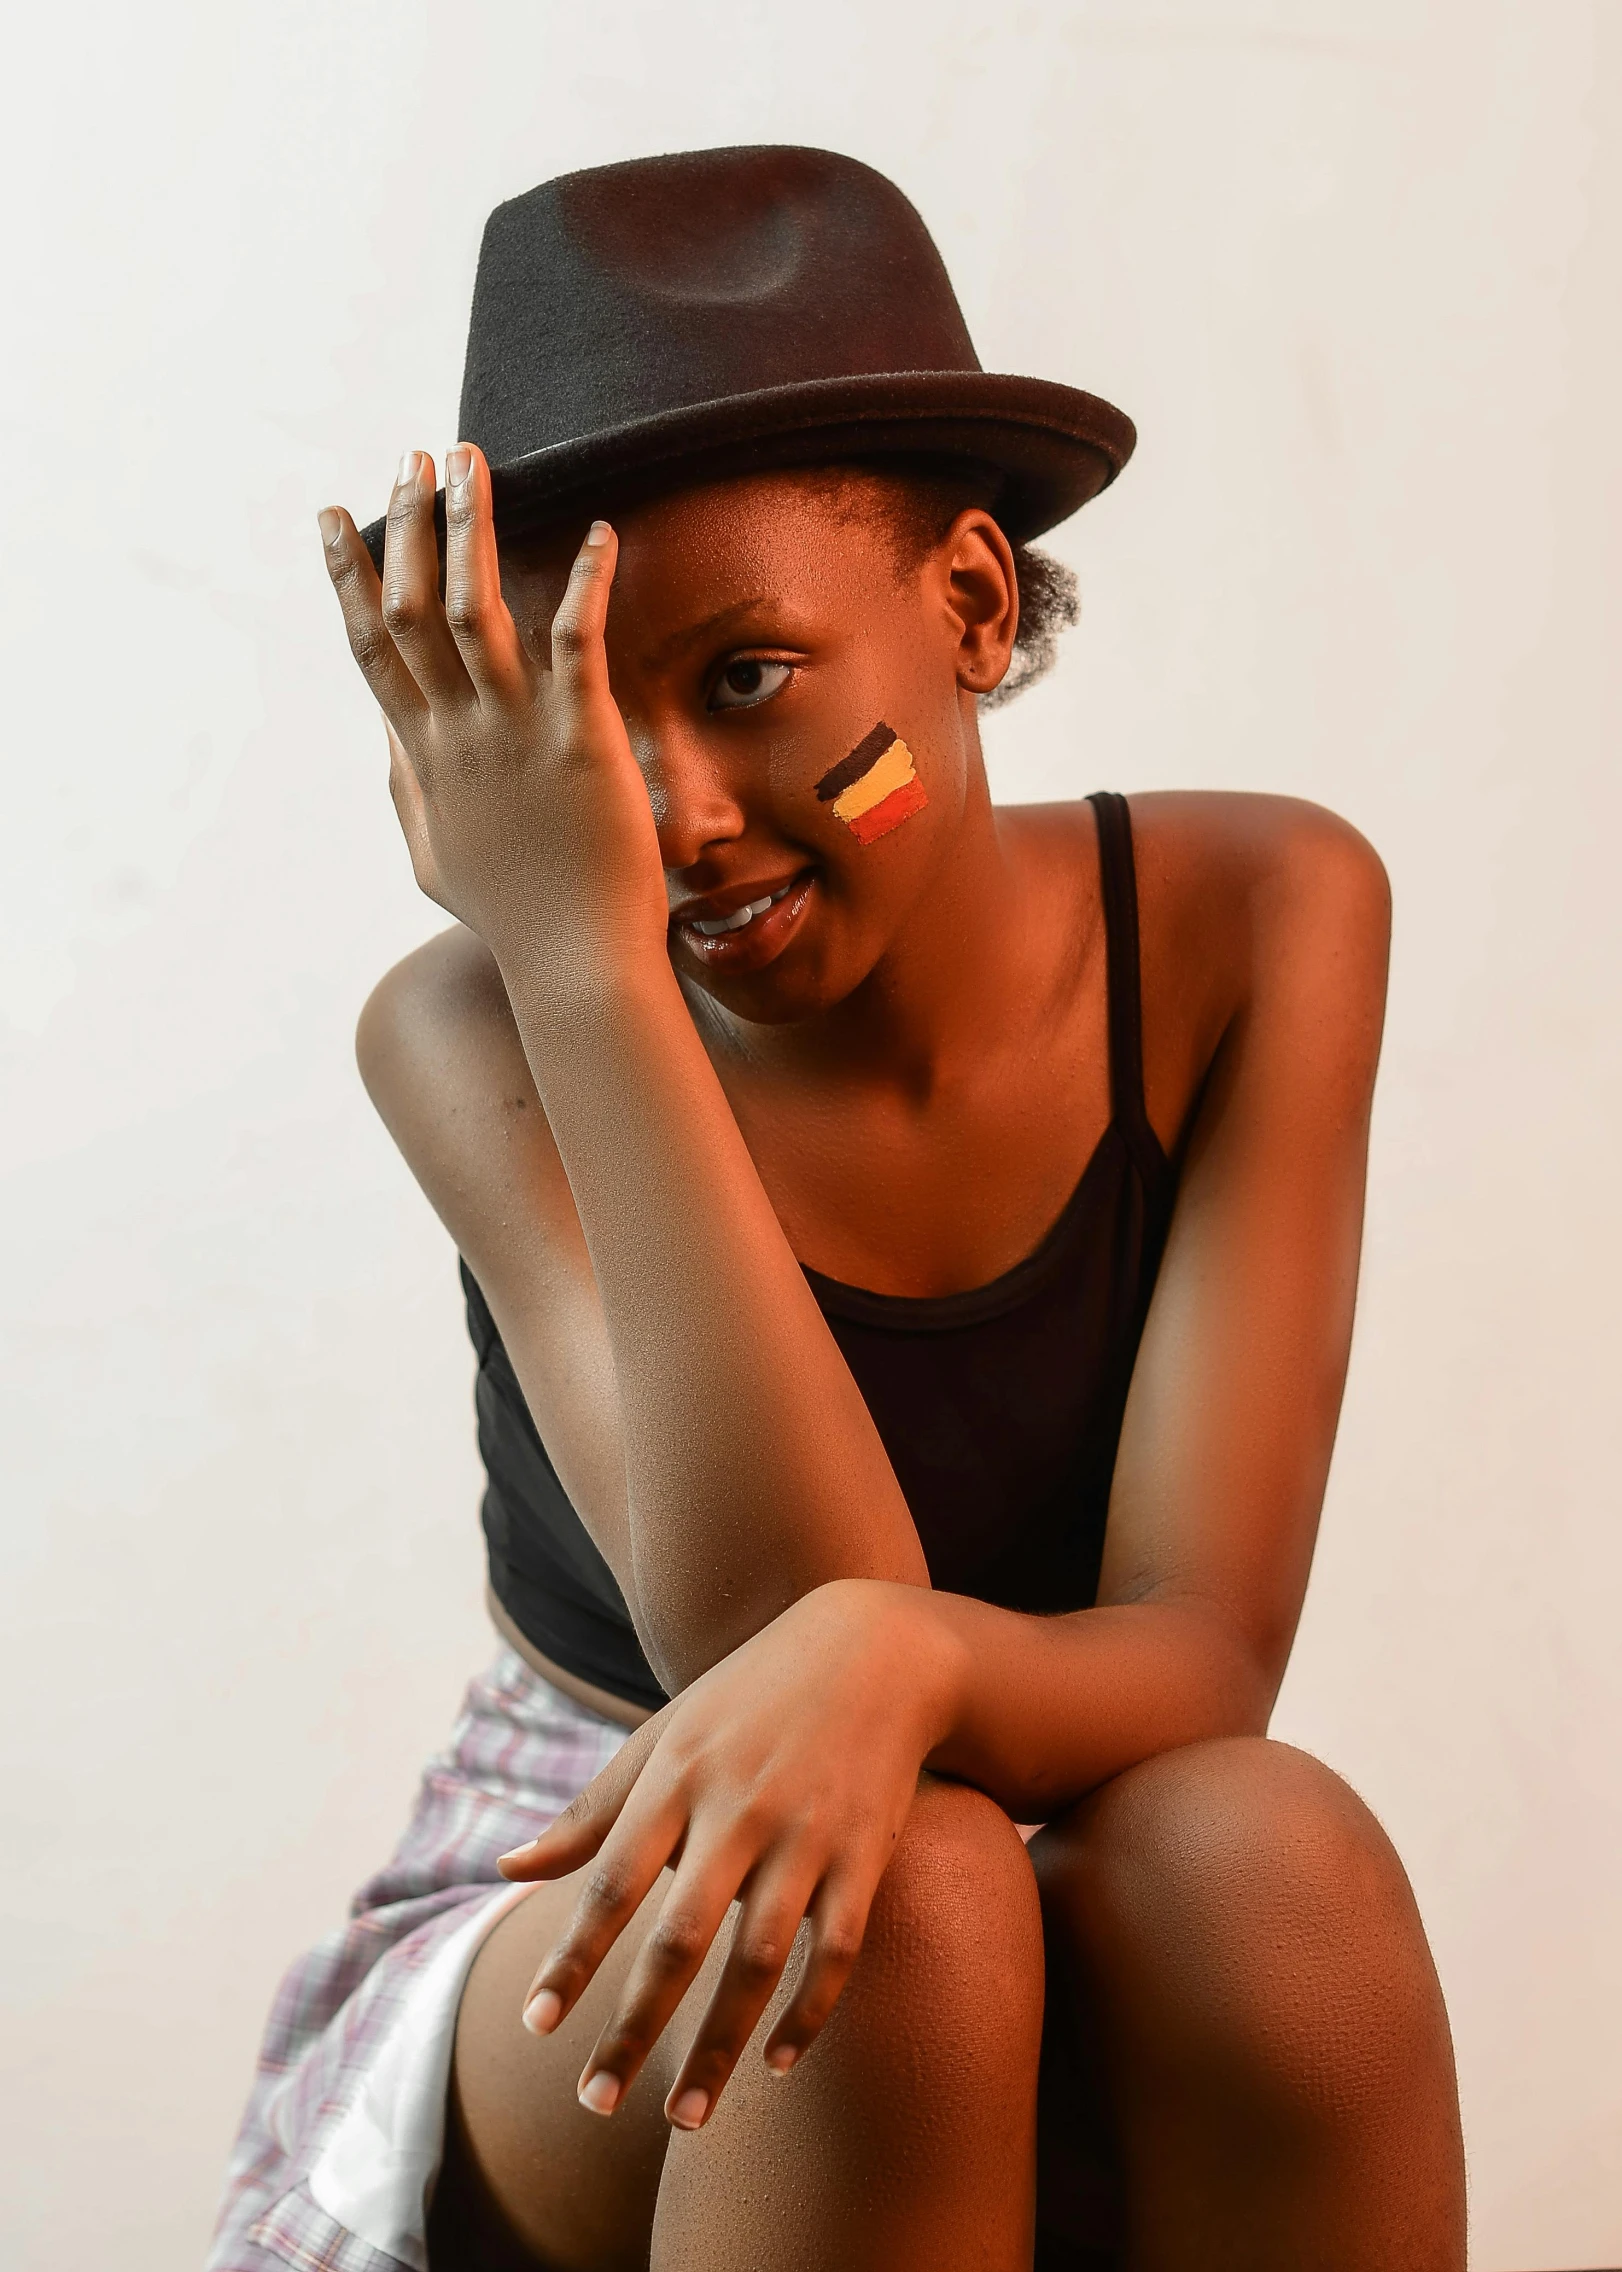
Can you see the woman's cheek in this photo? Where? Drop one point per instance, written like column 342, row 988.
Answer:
column 875, row 788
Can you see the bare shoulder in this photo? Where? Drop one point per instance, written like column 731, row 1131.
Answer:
column 445, row 997
column 440, row 1054
column 1208, row 856
column 1281, row 859
column 436, row 1040
column 442, row 1061
column 1264, row 919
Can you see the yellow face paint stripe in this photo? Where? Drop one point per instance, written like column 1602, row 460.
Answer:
column 890, row 772
column 872, row 745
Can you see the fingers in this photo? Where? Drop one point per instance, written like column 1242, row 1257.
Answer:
column 360, row 596
column 475, row 611
column 416, row 650
column 614, row 1888
column 570, row 1842
column 839, row 1916
column 579, row 660
column 666, row 1966
column 773, row 1912
column 412, row 613
column 777, row 1904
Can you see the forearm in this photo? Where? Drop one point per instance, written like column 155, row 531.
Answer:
column 753, row 1470
column 1037, row 1711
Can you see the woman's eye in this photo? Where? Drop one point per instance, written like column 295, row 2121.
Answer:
column 748, row 681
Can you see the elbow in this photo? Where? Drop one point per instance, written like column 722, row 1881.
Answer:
column 1247, row 1689
column 684, row 1632
column 1231, row 1679
column 383, row 1036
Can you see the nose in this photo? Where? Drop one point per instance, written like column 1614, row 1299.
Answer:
column 695, row 808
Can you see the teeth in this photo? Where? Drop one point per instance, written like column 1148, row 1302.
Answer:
column 742, row 916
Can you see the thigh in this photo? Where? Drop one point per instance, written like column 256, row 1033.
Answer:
column 530, row 2178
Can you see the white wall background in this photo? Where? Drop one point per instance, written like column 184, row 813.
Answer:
column 1353, row 266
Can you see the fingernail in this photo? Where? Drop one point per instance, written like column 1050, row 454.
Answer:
column 458, row 465
column 543, row 2011
column 408, row 469
column 330, row 525
column 518, row 1852
column 600, row 2092
column 598, row 533
column 690, row 2109
column 781, row 2057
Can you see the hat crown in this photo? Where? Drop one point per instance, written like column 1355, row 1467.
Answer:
column 662, row 283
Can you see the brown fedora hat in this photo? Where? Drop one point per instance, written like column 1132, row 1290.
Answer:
column 675, row 319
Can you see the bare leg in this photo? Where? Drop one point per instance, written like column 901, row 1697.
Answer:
column 1235, row 1924
column 529, row 2176
column 906, row 2137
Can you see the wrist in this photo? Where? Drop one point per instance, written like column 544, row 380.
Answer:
column 577, row 992
column 926, row 1663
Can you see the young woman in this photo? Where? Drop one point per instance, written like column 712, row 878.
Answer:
column 910, row 1247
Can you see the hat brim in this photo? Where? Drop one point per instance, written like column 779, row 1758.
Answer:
column 1054, row 446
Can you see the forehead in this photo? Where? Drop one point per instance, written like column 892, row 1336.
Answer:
column 788, row 540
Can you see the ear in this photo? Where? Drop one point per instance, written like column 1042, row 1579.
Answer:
column 980, row 587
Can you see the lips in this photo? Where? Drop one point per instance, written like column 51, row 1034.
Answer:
column 741, row 917
column 720, row 907
column 745, row 926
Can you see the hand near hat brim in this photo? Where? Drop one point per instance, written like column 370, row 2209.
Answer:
column 516, row 788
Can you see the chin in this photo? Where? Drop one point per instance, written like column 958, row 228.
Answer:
column 771, row 998
column 794, row 987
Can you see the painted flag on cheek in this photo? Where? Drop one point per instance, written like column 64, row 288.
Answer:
column 876, row 788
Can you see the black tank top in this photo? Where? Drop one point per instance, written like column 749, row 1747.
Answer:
column 1000, row 1408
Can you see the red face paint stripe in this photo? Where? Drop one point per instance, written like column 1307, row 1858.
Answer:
column 898, row 806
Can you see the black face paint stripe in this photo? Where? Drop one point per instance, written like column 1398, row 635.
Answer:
column 849, row 770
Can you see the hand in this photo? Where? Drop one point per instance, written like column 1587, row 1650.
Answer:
column 515, row 785
column 782, row 1778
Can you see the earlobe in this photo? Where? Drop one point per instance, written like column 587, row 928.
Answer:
column 982, row 667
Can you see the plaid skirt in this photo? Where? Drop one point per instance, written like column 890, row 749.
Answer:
column 335, row 2162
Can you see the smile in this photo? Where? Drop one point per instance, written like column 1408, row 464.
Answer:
column 741, row 917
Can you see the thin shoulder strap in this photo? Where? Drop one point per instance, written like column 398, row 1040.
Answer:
column 1119, row 882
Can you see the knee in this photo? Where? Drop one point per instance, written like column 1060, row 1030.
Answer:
column 955, row 1931
column 1237, row 1904
column 1245, row 1836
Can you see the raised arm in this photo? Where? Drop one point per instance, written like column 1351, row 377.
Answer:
column 752, row 1472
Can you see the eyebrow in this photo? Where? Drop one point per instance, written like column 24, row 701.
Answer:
column 695, row 634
